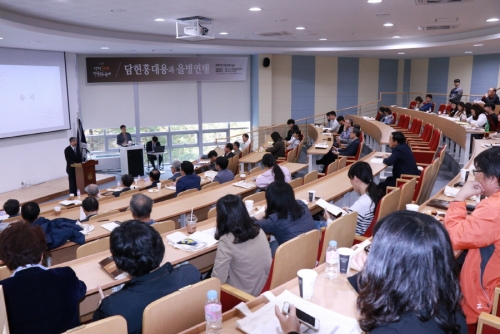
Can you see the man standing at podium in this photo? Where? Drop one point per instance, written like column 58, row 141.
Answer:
column 124, row 137
column 71, row 158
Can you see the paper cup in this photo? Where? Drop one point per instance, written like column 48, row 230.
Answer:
column 249, row 205
column 243, row 177
column 57, row 210
column 307, row 279
column 345, row 255
column 412, row 207
column 312, row 195
column 71, row 196
column 158, row 186
column 463, row 172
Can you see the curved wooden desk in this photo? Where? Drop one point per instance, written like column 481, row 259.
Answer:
column 378, row 132
column 319, row 137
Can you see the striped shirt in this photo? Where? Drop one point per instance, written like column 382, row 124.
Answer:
column 365, row 208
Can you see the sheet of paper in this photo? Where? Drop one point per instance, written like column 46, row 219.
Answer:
column 170, row 187
column 204, row 236
column 244, row 184
column 321, row 145
column 176, row 237
column 333, row 209
column 210, row 174
column 110, row 226
column 377, row 160
column 68, row 202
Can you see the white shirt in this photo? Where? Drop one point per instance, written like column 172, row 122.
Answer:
column 266, row 178
column 481, row 120
column 294, row 142
column 365, row 208
column 246, row 144
column 334, row 125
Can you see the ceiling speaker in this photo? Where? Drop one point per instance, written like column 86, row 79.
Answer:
column 266, row 62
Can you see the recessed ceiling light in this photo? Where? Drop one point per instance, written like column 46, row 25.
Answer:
column 396, row 36
column 281, row 20
column 401, row 53
column 118, row 10
column 388, row 24
column 478, row 44
column 255, row 9
column 160, row 20
column 130, row 50
column 300, row 28
column 1, row 37
column 493, row 19
column 223, row 33
column 323, row 39
column 374, row 1
column 105, row 48
column 468, row 51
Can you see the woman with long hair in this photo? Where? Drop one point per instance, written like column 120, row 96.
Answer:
column 285, row 217
column 453, row 109
column 468, row 112
column 459, row 111
column 478, row 117
column 278, row 148
column 361, row 176
column 243, row 257
column 410, row 283
column 274, row 172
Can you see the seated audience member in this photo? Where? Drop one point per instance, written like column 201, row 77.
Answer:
column 175, row 168
column 333, row 124
column 290, row 123
column 341, row 121
column 401, row 159
column 223, row 174
column 243, row 257
column 90, row 207
column 294, row 142
column 381, row 110
column 38, row 299
column 350, row 150
column 285, row 217
column 457, row 110
column 189, row 179
column 212, row 155
column 154, row 177
column 228, row 150
column 491, row 96
column 389, row 118
column 11, row 207
column 236, row 146
column 127, row 181
column 419, row 101
column 479, row 233
column 490, row 111
column 478, row 117
column 150, row 145
column 57, row 231
column 274, row 172
column 246, row 141
column 138, row 250
column 345, row 136
column 141, row 207
column 92, row 190
column 427, row 105
column 361, row 176
column 278, row 148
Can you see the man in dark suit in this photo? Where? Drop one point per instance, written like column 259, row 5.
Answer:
column 71, row 158
column 150, row 147
column 124, row 137
column 228, row 151
column 401, row 159
column 90, row 206
column 127, row 181
column 154, row 177
column 189, row 179
column 350, row 150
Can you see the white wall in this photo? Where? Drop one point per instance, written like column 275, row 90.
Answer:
column 39, row 158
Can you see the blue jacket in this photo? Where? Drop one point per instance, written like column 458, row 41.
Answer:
column 402, row 160
column 426, row 106
column 60, row 230
column 187, row 182
column 223, row 176
column 350, row 149
column 287, row 229
column 43, row 301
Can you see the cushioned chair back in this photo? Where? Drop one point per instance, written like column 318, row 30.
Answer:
column 442, row 107
column 116, row 325
column 412, row 105
column 167, row 315
column 394, row 115
column 426, row 135
column 379, row 115
column 369, row 231
column 341, row 230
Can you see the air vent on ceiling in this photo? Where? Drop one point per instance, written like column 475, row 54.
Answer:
column 273, row 34
column 438, row 27
column 431, row 2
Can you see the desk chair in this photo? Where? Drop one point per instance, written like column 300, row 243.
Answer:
column 309, row 177
column 412, row 105
column 212, row 213
column 333, row 167
column 341, row 230
column 4, row 322
column 342, row 163
column 407, row 190
column 210, row 185
column 424, row 137
column 295, row 254
column 185, row 192
column 96, row 246
column 296, row 183
column 103, row 215
column 168, row 314
column 164, row 227
column 255, row 170
column 496, row 302
column 257, row 197
column 299, row 149
column 488, row 324
column 442, row 107
column 116, row 325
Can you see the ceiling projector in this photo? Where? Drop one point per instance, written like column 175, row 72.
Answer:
column 198, row 30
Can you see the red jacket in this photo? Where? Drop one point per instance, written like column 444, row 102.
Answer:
column 480, row 234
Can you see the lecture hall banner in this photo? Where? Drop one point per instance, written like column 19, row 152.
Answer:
column 142, row 69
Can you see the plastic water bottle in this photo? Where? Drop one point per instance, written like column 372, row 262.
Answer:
column 213, row 313
column 332, row 260
column 78, row 193
column 487, row 126
column 138, row 179
column 118, row 184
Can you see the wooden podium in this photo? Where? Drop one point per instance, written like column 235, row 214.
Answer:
column 85, row 174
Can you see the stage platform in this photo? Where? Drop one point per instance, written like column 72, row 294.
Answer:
column 47, row 191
